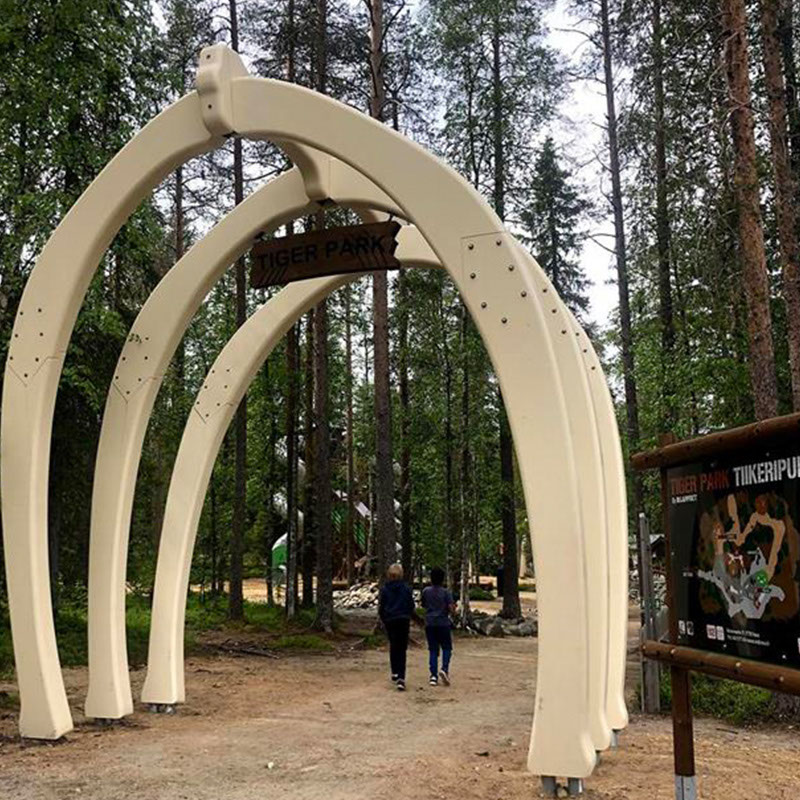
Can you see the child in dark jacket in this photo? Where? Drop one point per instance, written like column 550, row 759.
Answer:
column 395, row 608
column 439, row 605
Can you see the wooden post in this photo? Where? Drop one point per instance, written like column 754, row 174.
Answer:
column 683, row 734
column 680, row 678
column 650, row 672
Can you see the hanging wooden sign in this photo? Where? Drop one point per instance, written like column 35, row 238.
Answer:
column 352, row 248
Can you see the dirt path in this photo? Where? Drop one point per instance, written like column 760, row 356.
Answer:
column 330, row 727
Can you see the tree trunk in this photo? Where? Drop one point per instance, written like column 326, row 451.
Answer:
column 236, row 603
column 309, row 517
column 466, row 473
column 269, row 490
column 322, row 439
column 371, row 525
column 405, row 400
column 785, row 187
column 292, row 369
column 451, row 524
column 322, row 466
column 377, row 97
column 511, row 607
column 216, row 581
column 322, row 472
column 746, row 190
column 405, row 443
column 291, row 39
column 351, row 476
column 786, row 34
column 386, row 535
column 626, row 336
column 663, row 232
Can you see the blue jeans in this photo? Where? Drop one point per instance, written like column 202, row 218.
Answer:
column 439, row 636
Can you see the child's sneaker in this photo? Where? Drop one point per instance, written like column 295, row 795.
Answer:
column 445, row 676
column 395, row 678
column 401, row 685
column 434, row 681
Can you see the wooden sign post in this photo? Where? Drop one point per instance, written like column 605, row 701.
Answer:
column 731, row 518
column 333, row 251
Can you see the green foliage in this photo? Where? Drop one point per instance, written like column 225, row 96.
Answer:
column 476, row 593
column 6, row 648
column 735, row 702
column 500, row 81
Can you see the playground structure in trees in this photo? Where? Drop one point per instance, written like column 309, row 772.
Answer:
column 558, row 404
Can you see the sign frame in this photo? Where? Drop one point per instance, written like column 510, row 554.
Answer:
column 682, row 661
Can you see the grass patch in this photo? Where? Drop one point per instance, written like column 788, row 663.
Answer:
column 734, row 702
column 202, row 614
column 476, row 593
column 373, row 639
column 301, row 641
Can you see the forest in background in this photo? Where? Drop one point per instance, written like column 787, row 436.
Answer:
column 384, row 393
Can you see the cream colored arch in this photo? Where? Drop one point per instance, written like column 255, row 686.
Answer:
column 140, row 369
column 229, row 377
column 42, row 328
column 522, row 341
column 198, row 451
column 150, row 346
column 224, row 386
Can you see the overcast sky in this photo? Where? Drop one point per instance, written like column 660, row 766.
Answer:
column 581, row 136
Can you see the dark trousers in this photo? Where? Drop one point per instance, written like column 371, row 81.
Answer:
column 439, row 636
column 397, row 631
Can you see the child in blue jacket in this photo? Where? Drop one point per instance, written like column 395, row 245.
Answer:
column 439, row 605
column 395, row 609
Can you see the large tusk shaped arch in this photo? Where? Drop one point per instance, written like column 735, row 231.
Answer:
column 150, row 346
column 523, row 339
column 42, row 328
column 176, row 299
column 467, row 237
column 140, row 369
column 226, row 383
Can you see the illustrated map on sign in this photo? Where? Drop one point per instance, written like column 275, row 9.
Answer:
column 741, row 572
column 736, row 554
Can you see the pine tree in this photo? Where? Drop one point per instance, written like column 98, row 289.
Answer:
column 552, row 223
